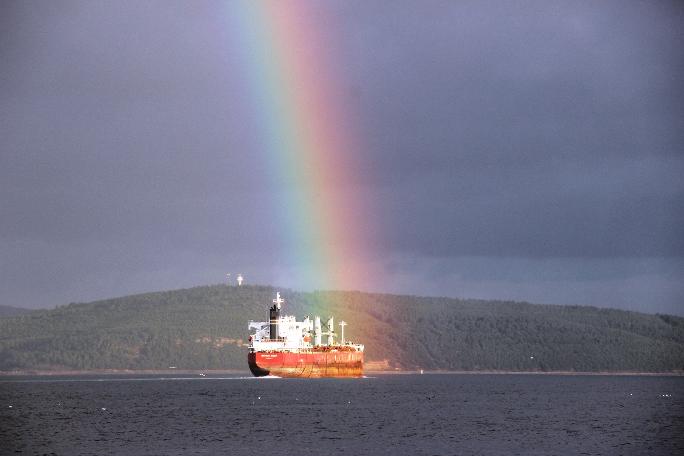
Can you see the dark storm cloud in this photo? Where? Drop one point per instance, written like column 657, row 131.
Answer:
column 539, row 137
column 119, row 124
column 543, row 129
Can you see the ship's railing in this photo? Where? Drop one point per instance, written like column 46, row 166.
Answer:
column 277, row 339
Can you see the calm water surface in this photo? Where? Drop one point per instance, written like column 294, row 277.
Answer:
column 388, row 414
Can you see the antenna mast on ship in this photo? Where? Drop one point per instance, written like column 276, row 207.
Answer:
column 278, row 300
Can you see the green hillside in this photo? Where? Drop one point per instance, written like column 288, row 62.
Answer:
column 206, row 328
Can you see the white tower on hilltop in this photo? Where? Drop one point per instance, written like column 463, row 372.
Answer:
column 228, row 278
column 240, row 279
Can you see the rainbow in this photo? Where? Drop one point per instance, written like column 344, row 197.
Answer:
column 308, row 142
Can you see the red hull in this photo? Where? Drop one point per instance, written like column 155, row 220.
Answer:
column 310, row 364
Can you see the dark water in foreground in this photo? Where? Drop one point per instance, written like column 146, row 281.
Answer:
column 402, row 414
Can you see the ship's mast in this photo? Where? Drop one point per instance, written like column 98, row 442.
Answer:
column 331, row 331
column 278, row 300
column 342, row 325
column 317, row 330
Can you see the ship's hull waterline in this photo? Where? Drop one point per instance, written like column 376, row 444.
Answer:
column 306, row 364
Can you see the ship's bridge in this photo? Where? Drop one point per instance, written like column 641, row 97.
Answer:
column 291, row 334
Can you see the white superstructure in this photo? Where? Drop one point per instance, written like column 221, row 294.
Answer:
column 285, row 333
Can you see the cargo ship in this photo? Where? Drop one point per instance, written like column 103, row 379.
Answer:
column 285, row 347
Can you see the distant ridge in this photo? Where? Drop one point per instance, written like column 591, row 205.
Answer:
column 9, row 311
column 206, row 328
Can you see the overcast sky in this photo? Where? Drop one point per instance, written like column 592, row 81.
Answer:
column 510, row 150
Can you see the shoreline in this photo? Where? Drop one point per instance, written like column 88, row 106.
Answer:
column 563, row 373
column 92, row 372
column 201, row 372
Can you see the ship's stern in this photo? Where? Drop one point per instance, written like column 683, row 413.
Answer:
column 256, row 370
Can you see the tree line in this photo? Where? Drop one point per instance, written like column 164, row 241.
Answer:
column 206, row 328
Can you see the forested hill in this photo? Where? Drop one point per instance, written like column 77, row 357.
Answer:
column 9, row 311
column 206, row 328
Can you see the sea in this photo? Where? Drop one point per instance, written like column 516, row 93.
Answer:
column 430, row 414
